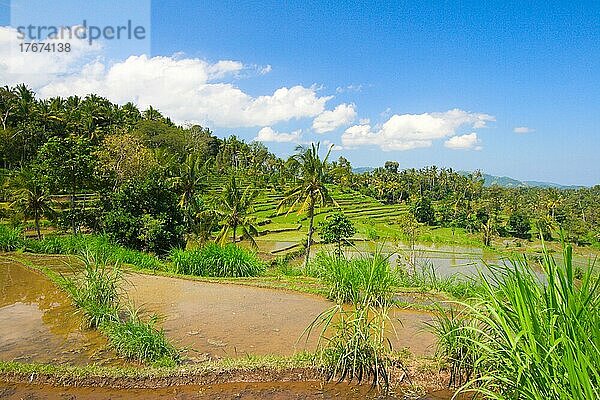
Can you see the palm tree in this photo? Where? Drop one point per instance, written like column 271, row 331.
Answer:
column 310, row 190
column 190, row 180
column 234, row 208
column 30, row 198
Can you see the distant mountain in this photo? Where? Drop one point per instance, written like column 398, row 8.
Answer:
column 362, row 170
column 491, row 180
column 505, row 181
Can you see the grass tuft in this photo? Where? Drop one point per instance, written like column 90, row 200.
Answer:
column 352, row 341
column 366, row 277
column 140, row 340
column 217, row 261
column 96, row 292
column 96, row 289
column 11, row 239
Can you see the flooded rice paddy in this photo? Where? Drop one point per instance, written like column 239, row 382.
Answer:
column 219, row 320
column 209, row 320
column 248, row 391
column 38, row 323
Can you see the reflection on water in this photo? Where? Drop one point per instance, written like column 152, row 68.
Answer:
column 38, row 323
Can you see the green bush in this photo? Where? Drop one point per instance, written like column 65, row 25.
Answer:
column 11, row 239
column 519, row 225
column 144, row 215
column 218, row 261
column 423, row 211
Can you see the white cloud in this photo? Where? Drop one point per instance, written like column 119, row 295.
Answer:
column 410, row 131
column 39, row 68
column 349, row 88
column 223, row 68
column 186, row 89
column 463, row 142
column 523, row 129
column 334, row 147
column 265, row 70
column 330, row 120
column 267, row 134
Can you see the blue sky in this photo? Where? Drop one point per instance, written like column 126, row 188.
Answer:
column 422, row 83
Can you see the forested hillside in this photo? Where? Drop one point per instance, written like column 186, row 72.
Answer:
column 89, row 165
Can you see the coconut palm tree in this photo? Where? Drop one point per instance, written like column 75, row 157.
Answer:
column 234, row 207
column 30, row 198
column 310, row 190
column 190, row 180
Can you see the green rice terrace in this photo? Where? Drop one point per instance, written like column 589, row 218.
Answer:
column 206, row 268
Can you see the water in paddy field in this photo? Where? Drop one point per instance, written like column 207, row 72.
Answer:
column 249, row 391
column 211, row 320
column 225, row 320
column 446, row 260
column 38, row 323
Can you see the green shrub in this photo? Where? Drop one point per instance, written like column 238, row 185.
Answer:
column 218, row 261
column 144, row 215
column 11, row 239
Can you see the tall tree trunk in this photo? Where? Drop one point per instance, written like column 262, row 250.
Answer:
column 72, row 202
column 234, row 230
column 311, row 217
column 36, row 217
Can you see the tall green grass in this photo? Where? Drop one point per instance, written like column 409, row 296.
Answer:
column 352, row 340
column 95, row 290
column 139, row 340
column 353, row 345
column 456, row 333
column 77, row 244
column 352, row 280
column 535, row 338
column 11, row 239
column 217, row 261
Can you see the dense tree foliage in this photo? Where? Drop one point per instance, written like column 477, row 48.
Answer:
column 337, row 228
column 150, row 183
column 144, row 215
